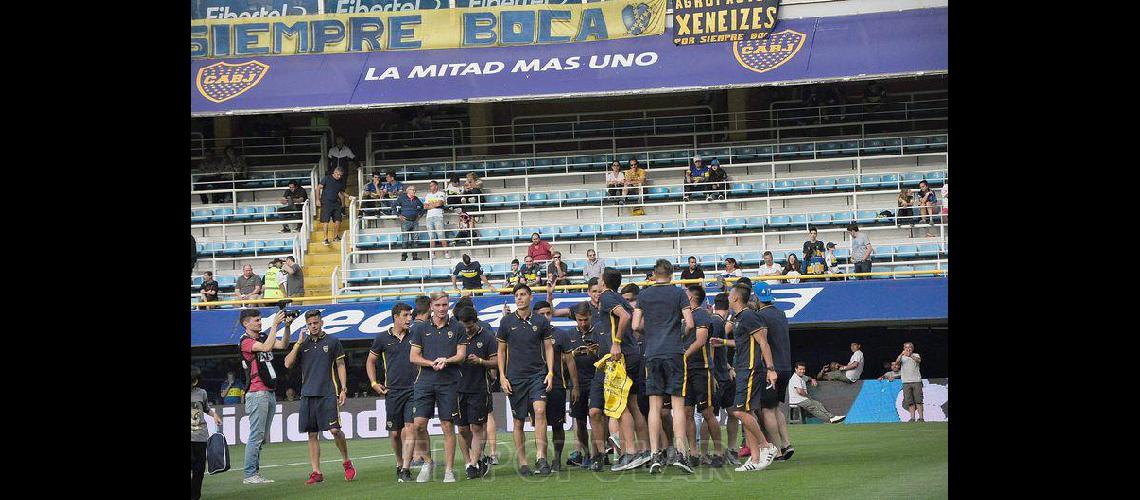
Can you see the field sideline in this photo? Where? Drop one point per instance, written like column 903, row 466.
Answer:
column 860, row 460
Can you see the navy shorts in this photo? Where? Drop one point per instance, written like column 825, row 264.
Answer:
column 556, row 407
column 524, row 392
column 319, row 413
column 749, row 383
column 330, row 211
column 698, row 389
column 581, row 408
column 771, row 398
column 443, row 397
column 725, row 394
column 398, row 405
column 493, row 381
column 665, row 376
column 473, row 408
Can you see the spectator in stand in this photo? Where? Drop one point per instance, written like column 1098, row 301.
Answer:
column 731, row 269
column 211, row 166
column 290, row 394
column 849, row 372
column 340, row 155
column 539, row 249
column 909, row 362
column 905, row 212
column 408, row 209
column 770, row 268
column 557, row 272
column 798, row 396
column 831, row 261
column 434, row 202
column 813, row 250
column 331, row 199
column 466, row 233
column 295, row 278
column 946, row 203
column 615, row 182
column 927, row 204
column 594, row 266
column 531, row 273
column 635, row 181
column 391, row 189
column 717, row 180
column 695, row 177
column 455, row 194
column 471, row 273
column 873, row 97
column 513, row 277
column 209, row 289
column 294, row 199
column 373, row 199
column 693, row 272
column 860, row 250
column 473, row 192
column 893, row 372
column 248, row 285
column 792, row 268
column 232, row 390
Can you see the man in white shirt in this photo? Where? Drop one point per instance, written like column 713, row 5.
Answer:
column 593, row 267
column 849, row 372
column 434, row 202
column 912, row 380
column 769, row 268
column 893, row 373
column 798, row 396
column 945, row 203
column 340, row 155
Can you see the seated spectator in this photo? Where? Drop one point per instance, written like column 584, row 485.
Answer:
column 209, row 289
column 717, row 180
column 557, row 272
column 927, row 204
column 593, row 267
column 233, row 168
column 374, row 199
column 531, row 272
column 293, row 199
column 340, row 156
column 615, row 182
column 391, row 189
column 813, row 252
column 730, row 270
column 849, row 372
column 695, row 177
column 905, row 211
column 798, row 396
column 455, row 194
column 232, row 391
column 471, row 273
column 634, row 183
column 792, row 268
column 248, row 285
column 513, row 277
column 409, row 208
column 893, row 372
column 693, row 272
column 466, row 233
column 473, row 193
column 770, row 268
column 539, row 249
column 946, row 203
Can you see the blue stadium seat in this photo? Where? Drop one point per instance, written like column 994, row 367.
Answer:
column 234, row 248
column 270, row 212
column 829, row 148
column 842, row 252
column 225, row 282
column 713, row 224
column 575, row 197
column 196, row 281
column 645, row 263
column 514, row 200
column 569, row 232
column 215, row 249
column 526, row 232
column 780, row 221
column 935, row 177
column 799, row 221
column 672, row 227
column 821, row 219
column 741, row 189
column 625, row 264
column 868, row 181
column 762, row 188
column 201, row 215
column 757, row 222
column 651, row 228
column 764, row 153
column 358, row 276
column 494, row 201
column 751, row 259
column 440, row 271
column 420, row 272
column 611, row 229
column 911, row 179
column 708, row 260
column 223, row 214
column 865, row 216
column 595, row 196
column 928, row 250
column 890, row 181
column 784, row 186
column 906, row 251
column 845, row 182
column 676, row 192
column 628, row 229
column 825, row 184
column 536, row 199
column 735, row 223
column 886, row 252
column 657, row 193
column 576, row 265
column 804, row 185
column 549, row 232
column 377, row 274
column 842, row 218
column 925, row 267
column 743, row 154
column 366, row 241
column 507, row 235
column 201, row 247
column 694, row 226
column 589, row 230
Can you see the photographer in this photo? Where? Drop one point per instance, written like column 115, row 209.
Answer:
column 260, row 402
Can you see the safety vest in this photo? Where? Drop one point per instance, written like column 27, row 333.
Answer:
column 272, row 283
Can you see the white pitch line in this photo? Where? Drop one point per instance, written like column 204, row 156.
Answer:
column 329, row 461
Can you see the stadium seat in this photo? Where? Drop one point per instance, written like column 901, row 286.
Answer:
column 868, row 181
column 494, row 201
column 246, row 213
column 886, row 252
column 890, row 181
column 224, row 214
column 784, row 186
column 845, row 182
column 628, row 229
column 676, row 192
column 611, row 229
column 196, row 281
column 366, row 241
column 270, row 212
column 804, row 185
column 595, row 196
column 514, row 200
column 507, row 235
column 536, row 199
column 550, row 232
column 906, row 251
column 799, row 221
column 657, row 193
column 694, row 226
column 645, row 263
column 576, row 265
column 751, row 259
column 865, row 216
column 842, row 252
column 825, row 184
column 201, row 215
column 440, row 271
column 780, row 221
column 358, row 276
column 575, row 197
column 735, row 223
column 569, row 232
column 625, row 264
column 651, row 228
column 741, row 189
column 671, row 227
column 708, row 260
column 762, row 188
column 764, row 153
column 743, row 154
column 928, row 250
column 215, row 249
column 756, row 222
column 842, row 218
column 935, row 177
column 588, row 231
column 234, row 248
column 911, row 179
column 714, row 224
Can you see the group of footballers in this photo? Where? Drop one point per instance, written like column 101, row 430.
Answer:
column 436, row 362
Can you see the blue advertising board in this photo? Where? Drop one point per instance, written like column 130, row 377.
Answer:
column 821, row 303
column 798, row 51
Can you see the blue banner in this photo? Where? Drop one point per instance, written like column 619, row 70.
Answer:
column 800, row 50
column 913, row 299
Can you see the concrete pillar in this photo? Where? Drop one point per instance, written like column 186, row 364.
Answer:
column 737, row 103
column 482, row 118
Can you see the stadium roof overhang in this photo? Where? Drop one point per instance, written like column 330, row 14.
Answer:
column 801, row 51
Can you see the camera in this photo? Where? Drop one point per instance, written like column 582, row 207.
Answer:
column 290, row 314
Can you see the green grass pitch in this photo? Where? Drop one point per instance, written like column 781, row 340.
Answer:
column 831, row 461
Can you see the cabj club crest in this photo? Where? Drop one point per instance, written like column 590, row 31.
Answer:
column 636, row 18
column 768, row 53
column 223, row 81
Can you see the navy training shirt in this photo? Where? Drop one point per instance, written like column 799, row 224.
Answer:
column 606, row 329
column 562, row 344
column 438, row 342
column 748, row 355
column 664, row 326
column 720, row 354
column 777, row 322
column 318, row 357
column 700, row 359
column 482, row 344
column 584, row 362
column 526, row 345
column 398, row 370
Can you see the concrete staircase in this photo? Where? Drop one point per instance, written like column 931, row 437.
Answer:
column 320, row 260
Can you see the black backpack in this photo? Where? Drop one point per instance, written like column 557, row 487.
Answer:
column 264, row 362
column 217, row 454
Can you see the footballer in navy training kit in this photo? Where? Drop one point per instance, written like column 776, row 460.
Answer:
column 439, row 346
column 699, row 383
column 664, row 317
column 584, row 347
column 526, row 372
column 474, row 392
column 614, row 334
column 565, row 385
column 752, row 375
column 392, row 348
column 724, row 375
column 322, row 391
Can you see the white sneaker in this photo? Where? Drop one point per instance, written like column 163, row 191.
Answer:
column 750, row 466
column 769, row 455
column 838, row 418
column 425, row 472
column 256, row 479
column 449, row 476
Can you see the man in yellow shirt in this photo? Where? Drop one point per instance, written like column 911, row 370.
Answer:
column 634, row 181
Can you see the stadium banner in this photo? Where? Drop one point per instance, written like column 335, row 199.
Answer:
column 807, row 50
column 429, row 29
column 234, row 9
column 881, row 401
column 805, row 304
column 716, row 21
column 230, row 9
column 362, row 6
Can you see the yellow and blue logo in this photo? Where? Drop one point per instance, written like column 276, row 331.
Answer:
column 769, row 53
column 223, row 81
column 636, row 18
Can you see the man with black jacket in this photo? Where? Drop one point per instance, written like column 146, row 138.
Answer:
column 716, row 180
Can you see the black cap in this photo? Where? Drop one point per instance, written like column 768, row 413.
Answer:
column 830, row 244
column 744, row 280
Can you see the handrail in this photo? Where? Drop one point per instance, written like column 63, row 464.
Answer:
column 544, row 288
